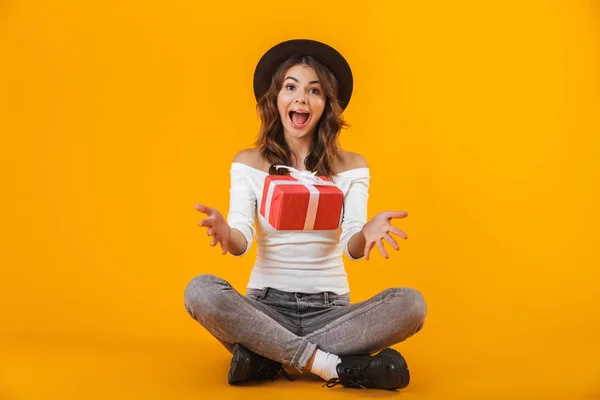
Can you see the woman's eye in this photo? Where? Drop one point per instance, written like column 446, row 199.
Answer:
column 289, row 86
column 315, row 91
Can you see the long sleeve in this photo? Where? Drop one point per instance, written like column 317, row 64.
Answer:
column 242, row 207
column 355, row 208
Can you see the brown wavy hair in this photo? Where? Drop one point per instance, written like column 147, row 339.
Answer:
column 325, row 149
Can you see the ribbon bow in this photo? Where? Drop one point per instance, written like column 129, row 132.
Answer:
column 304, row 176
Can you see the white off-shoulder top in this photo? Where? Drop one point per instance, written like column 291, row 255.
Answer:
column 297, row 261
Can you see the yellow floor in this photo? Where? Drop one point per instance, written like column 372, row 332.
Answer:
column 85, row 367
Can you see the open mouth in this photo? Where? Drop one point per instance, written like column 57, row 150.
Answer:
column 299, row 119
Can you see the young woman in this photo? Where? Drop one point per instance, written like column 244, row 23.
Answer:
column 297, row 311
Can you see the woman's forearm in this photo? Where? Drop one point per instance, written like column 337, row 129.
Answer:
column 356, row 245
column 237, row 242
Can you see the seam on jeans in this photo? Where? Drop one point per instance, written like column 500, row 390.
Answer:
column 275, row 316
column 309, row 350
column 297, row 350
column 295, row 360
column 263, row 294
column 326, row 328
column 366, row 308
column 299, row 315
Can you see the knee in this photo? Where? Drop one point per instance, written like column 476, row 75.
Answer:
column 201, row 292
column 412, row 307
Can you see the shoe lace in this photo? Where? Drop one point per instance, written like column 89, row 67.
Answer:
column 352, row 377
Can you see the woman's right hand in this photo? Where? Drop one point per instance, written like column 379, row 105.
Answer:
column 217, row 226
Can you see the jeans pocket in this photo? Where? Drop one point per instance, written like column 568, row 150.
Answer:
column 339, row 300
column 339, row 303
column 251, row 294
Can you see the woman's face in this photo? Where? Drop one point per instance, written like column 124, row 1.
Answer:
column 300, row 101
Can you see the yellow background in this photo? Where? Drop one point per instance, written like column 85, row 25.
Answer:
column 478, row 118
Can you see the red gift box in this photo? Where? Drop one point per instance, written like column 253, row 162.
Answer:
column 301, row 201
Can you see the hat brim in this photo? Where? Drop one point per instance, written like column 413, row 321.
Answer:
column 326, row 54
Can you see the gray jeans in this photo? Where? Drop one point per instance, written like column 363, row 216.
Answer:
column 289, row 327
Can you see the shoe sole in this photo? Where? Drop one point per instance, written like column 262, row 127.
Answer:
column 231, row 378
column 238, row 369
column 396, row 359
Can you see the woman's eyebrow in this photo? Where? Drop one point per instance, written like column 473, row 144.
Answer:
column 310, row 83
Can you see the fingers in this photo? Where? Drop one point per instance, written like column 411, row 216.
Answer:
column 210, row 224
column 381, row 248
column 397, row 214
column 368, row 248
column 212, row 231
column 379, row 243
column 206, row 222
column 203, row 209
column 224, row 247
column 217, row 240
column 388, row 238
column 397, row 231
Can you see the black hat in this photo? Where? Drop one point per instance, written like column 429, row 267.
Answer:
column 326, row 54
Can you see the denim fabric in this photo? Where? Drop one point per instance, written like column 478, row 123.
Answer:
column 289, row 327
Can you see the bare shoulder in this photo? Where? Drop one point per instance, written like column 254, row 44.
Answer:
column 357, row 161
column 351, row 160
column 250, row 157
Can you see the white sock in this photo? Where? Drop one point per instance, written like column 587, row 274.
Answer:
column 325, row 364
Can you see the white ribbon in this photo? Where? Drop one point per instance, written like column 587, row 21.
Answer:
column 305, row 176
column 307, row 179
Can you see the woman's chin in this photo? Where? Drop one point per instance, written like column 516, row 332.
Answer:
column 295, row 133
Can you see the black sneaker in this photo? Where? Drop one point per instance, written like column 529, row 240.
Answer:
column 248, row 366
column 385, row 370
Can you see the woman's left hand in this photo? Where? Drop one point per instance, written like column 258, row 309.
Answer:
column 378, row 228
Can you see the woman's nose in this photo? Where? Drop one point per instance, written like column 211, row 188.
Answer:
column 301, row 97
